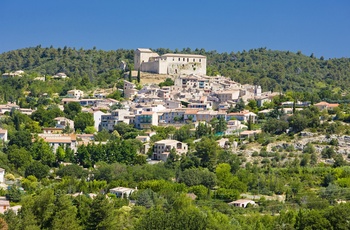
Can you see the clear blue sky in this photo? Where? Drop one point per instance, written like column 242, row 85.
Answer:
column 311, row 26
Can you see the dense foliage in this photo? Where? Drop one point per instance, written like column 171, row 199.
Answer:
column 273, row 70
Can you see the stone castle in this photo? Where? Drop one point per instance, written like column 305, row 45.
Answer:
column 174, row 64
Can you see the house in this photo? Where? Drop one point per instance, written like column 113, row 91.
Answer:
column 243, row 116
column 109, row 120
column 161, row 149
column 63, row 140
column 4, row 205
column 3, row 134
column 146, row 119
column 8, row 107
column 143, row 139
column 97, row 118
column 122, row 191
column 223, row 143
column 233, row 126
column 230, row 95
column 18, row 73
column 60, row 76
column 62, row 122
column 2, row 175
column 75, row 94
column 242, row 203
column 325, row 105
column 129, row 89
column 249, row 133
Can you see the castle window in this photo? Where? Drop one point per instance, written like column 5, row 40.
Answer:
column 188, row 59
column 194, row 59
column 173, row 59
column 179, row 59
column 183, row 59
column 200, row 60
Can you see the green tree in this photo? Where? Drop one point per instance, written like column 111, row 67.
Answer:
column 102, row 213
column 37, row 169
column 65, row 216
column 72, row 109
column 206, row 150
column 138, row 76
column 83, row 120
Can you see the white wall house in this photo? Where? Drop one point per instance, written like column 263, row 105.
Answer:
column 3, row 134
column 161, row 149
column 75, row 93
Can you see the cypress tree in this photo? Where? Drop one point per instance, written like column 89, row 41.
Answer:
column 138, row 76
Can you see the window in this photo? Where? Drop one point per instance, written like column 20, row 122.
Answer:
column 188, row 59
column 179, row 59
column 200, row 60
column 183, row 59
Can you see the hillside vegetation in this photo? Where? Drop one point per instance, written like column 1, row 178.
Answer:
column 273, row 70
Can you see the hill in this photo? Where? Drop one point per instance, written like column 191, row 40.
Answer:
column 273, row 70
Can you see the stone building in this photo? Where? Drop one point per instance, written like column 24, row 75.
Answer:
column 148, row 61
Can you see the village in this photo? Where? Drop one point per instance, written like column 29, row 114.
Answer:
column 194, row 98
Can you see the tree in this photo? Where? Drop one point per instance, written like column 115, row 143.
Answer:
column 37, row 169
column 72, row 170
column 71, row 109
column 219, row 125
column 311, row 220
column 206, row 150
column 65, row 216
column 21, row 138
column 19, row 157
column 14, row 194
column 275, row 126
column 82, row 120
column 198, row 176
column 239, row 105
column 101, row 215
column 138, row 76
column 41, row 151
column 130, row 74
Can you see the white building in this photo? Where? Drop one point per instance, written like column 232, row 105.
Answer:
column 148, row 61
column 2, row 175
column 97, row 118
column 122, row 191
column 161, row 149
column 146, row 120
column 62, row 122
column 109, row 120
column 242, row 203
column 3, row 134
column 75, row 93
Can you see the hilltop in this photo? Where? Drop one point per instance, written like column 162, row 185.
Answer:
column 273, row 70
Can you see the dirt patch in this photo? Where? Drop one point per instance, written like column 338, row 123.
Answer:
column 150, row 78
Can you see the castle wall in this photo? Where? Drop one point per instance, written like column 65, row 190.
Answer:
column 149, row 61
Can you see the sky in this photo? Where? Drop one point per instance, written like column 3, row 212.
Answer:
column 310, row 26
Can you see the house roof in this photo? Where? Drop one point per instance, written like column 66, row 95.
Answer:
column 144, row 50
column 4, row 203
column 183, row 55
column 3, row 131
column 167, row 142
